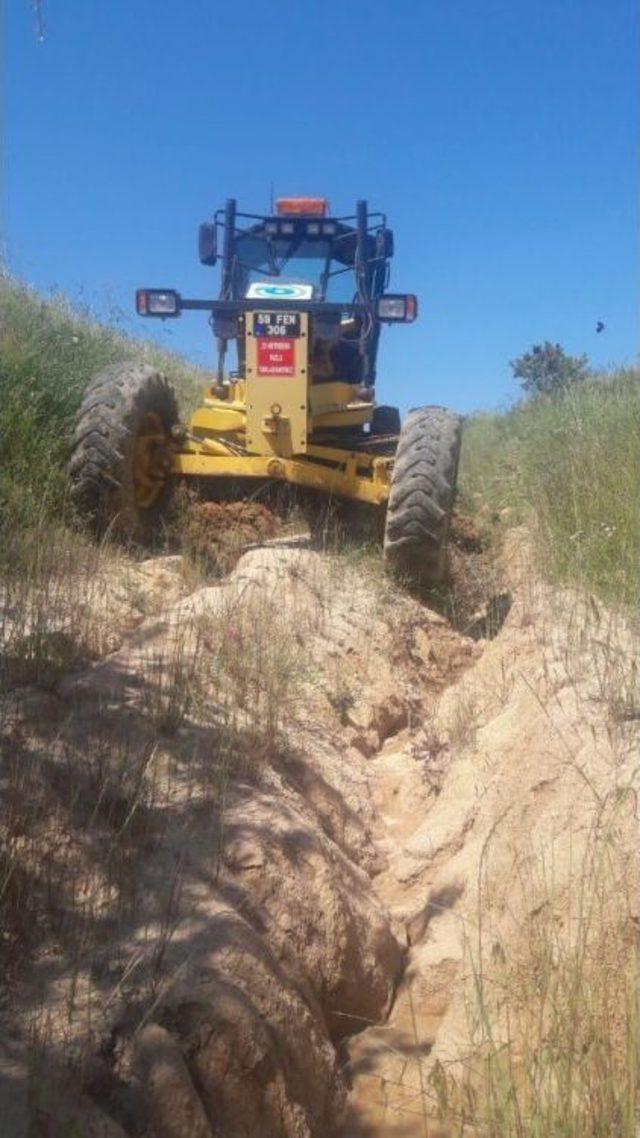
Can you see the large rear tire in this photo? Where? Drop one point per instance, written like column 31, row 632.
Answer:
column 421, row 497
column 121, row 458
column 385, row 421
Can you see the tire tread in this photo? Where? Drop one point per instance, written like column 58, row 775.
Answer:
column 421, row 496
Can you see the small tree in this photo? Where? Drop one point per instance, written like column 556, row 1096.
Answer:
column 547, row 369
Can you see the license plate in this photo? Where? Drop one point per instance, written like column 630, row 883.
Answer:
column 276, row 324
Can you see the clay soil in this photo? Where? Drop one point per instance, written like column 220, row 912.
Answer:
column 219, row 532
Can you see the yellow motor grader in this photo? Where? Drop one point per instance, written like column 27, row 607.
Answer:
column 302, row 299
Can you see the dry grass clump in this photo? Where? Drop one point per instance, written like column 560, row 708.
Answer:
column 53, row 617
column 241, row 665
column 261, row 665
column 553, row 1017
column 465, row 720
column 597, row 648
column 174, row 677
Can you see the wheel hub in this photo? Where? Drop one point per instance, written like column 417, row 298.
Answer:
column 151, row 460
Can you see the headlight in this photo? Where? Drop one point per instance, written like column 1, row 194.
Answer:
column 157, row 302
column 399, row 308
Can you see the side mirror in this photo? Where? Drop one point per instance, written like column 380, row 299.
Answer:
column 207, row 243
column 397, row 308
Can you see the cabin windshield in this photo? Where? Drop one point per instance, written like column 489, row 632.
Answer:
column 299, row 260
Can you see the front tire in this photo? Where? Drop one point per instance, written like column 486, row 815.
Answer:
column 121, row 458
column 421, row 497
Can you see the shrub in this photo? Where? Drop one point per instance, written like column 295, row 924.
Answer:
column 547, row 369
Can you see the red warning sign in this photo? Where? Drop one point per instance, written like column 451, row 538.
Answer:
column 275, row 357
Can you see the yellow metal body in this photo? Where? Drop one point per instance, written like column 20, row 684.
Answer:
column 276, row 422
column 276, row 392
column 346, row 479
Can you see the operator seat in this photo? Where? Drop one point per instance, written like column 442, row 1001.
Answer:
column 345, row 353
column 335, row 351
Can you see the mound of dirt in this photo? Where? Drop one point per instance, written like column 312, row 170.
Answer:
column 221, row 531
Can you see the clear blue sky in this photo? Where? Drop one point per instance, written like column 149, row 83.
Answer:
column 498, row 135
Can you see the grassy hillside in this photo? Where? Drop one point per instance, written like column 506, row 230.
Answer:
column 570, row 467
column 48, row 351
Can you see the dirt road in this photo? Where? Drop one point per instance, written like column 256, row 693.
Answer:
column 329, row 816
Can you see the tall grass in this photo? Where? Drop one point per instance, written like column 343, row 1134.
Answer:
column 570, row 465
column 53, row 608
column 553, row 1016
column 48, row 352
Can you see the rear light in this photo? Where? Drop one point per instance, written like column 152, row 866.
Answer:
column 310, row 207
column 164, row 302
column 400, row 308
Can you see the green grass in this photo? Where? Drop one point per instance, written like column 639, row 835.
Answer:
column 48, row 352
column 570, row 467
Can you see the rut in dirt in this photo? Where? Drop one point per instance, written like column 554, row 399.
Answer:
column 250, row 912
column 302, row 862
